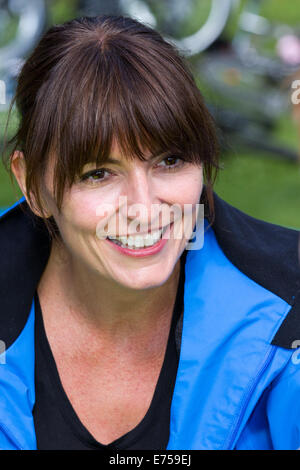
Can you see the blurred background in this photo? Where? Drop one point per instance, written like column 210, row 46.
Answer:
column 245, row 56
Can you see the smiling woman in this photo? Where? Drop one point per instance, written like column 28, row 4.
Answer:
column 120, row 332
column 101, row 82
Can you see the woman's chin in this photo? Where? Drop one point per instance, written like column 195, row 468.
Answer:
column 142, row 282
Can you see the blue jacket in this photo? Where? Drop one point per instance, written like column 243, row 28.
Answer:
column 238, row 379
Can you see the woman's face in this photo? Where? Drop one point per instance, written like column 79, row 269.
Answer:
column 130, row 197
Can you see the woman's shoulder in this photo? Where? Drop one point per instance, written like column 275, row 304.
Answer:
column 24, row 251
column 266, row 253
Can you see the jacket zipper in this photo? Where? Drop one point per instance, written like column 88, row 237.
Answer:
column 6, row 431
column 246, row 401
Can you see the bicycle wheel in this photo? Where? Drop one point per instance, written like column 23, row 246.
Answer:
column 191, row 25
column 21, row 23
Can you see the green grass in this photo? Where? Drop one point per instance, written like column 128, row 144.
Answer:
column 62, row 10
column 263, row 188
column 281, row 11
column 9, row 193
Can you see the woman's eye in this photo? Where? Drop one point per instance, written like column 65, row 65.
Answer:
column 95, row 175
column 171, row 162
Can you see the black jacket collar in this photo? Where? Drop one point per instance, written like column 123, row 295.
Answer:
column 266, row 253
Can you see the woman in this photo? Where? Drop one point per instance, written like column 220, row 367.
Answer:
column 124, row 343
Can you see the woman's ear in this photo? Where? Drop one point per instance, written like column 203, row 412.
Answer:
column 18, row 167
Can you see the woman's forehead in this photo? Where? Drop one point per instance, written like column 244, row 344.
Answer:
column 116, row 155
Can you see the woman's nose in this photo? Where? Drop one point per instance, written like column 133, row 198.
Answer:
column 142, row 202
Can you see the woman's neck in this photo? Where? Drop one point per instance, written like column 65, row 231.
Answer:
column 93, row 301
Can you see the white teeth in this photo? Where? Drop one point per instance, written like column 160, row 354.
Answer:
column 139, row 241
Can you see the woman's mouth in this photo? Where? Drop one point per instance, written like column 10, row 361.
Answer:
column 139, row 245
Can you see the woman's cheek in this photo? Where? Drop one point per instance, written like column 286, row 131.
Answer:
column 88, row 215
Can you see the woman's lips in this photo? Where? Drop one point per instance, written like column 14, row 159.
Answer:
column 147, row 251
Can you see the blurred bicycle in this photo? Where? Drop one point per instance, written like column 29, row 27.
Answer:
column 251, row 75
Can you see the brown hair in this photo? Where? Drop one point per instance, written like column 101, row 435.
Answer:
column 95, row 79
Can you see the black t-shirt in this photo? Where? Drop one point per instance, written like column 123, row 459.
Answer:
column 59, row 428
